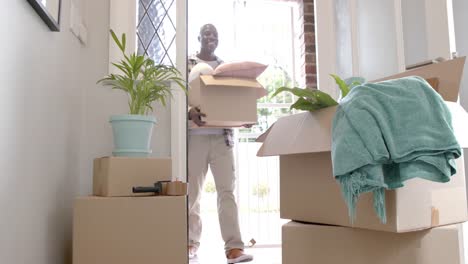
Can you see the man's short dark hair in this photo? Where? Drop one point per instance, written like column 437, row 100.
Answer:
column 205, row 26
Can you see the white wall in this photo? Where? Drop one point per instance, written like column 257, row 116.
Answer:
column 45, row 78
column 325, row 39
column 438, row 37
column 426, row 30
column 377, row 39
column 343, row 28
column 460, row 9
column 414, row 30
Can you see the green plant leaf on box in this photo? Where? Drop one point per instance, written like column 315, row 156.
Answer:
column 312, row 100
column 309, row 100
column 341, row 84
column 144, row 81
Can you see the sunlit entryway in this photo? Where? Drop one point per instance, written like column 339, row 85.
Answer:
column 262, row 31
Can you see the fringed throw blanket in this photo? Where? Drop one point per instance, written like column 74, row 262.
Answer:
column 389, row 132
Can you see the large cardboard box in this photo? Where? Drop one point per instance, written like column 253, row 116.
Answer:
column 309, row 192
column 226, row 101
column 307, row 243
column 116, row 176
column 122, row 230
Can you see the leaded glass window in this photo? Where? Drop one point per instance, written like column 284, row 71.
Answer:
column 156, row 30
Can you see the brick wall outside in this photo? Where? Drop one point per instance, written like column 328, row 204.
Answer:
column 307, row 43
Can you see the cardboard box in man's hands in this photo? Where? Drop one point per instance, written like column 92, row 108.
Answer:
column 226, row 101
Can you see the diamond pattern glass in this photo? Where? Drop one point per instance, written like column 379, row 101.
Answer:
column 146, row 31
column 156, row 30
column 156, row 8
column 141, row 48
column 156, row 51
column 141, row 11
column 145, row 3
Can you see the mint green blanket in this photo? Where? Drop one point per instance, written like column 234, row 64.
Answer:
column 389, row 132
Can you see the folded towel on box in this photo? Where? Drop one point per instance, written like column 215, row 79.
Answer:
column 388, row 132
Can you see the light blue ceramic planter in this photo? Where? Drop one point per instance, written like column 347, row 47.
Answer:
column 132, row 135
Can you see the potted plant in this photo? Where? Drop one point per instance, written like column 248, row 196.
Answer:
column 313, row 100
column 144, row 82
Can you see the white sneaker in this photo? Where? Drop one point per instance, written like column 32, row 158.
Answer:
column 192, row 252
column 240, row 259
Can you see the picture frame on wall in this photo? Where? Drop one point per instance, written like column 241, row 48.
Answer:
column 49, row 11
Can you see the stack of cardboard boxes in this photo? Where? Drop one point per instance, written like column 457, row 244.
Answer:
column 118, row 226
column 420, row 216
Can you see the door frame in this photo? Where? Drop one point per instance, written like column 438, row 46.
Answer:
column 179, row 102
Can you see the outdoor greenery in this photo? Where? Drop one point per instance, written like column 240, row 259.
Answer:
column 273, row 77
column 261, row 190
column 210, row 187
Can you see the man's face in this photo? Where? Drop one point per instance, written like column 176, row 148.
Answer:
column 209, row 38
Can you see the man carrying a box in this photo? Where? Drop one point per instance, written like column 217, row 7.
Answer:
column 212, row 147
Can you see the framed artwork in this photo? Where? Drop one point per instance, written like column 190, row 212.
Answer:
column 49, row 11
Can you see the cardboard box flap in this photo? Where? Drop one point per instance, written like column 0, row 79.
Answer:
column 448, row 74
column 311, row 132
column 209, row 80
column 459, row 123
column 300, row 133
column 263, row 136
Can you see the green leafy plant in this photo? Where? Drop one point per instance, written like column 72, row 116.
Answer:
column 343, row 85
column 309, row 100
column 261, row 190
column 210, row 187
column 142, row 79
column 312, row 100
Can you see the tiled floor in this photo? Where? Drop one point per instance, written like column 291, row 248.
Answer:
column 216, row 256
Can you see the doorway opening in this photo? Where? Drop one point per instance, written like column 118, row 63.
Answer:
column 266, row 32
